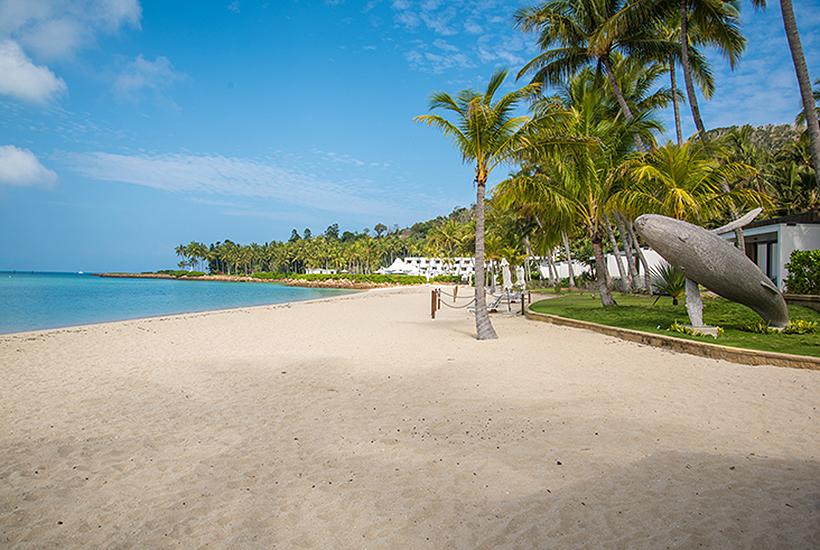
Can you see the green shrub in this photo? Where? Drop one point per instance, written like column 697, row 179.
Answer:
column 447, row 279
column 800, row 326
column 269, row 275
column 180, row 273
column 172, row 272
column 796, row 326
column 355, row 278
column 759, row 328
column 668, row 280
column 682, row 329
column 804, row 272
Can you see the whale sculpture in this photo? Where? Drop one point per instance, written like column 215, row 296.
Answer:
column 713, row 262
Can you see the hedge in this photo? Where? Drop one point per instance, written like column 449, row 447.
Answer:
column 356, row 278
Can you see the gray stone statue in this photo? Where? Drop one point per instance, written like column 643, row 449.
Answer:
column 713, row 262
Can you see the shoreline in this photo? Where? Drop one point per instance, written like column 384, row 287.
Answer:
column 358, row 422
column 329, row 283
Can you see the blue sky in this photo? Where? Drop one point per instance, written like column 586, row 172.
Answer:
column 128, row 127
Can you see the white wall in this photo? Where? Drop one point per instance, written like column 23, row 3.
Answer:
column 795, row 237
column 652, row 259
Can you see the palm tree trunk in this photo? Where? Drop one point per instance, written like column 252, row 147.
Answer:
column 569, row 260
column 551, row 268
column 675, row 106
column 803, row 80
column 628, row 250
column 617, row 253
column 527, row 270
column 483, row 326
column 610, row 75
column 687, row 69
column 647, row 278
column 600, row 271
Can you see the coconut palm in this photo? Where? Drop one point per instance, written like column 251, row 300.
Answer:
column 718, row 25
column 803, row 80
column 670, row 30
column 801, row 117
column 790, row 179
column 488, row 134
column 573, row 35
column 714, row 23
column 577, row 190
column 447, row 240
column 684, row 182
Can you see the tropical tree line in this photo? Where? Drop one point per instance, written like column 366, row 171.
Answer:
column 357, row 253
column 586, row 159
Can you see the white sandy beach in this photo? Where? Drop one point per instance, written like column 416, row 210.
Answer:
column 359, row 422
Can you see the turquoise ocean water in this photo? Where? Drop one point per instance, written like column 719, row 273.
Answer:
column 54, row 300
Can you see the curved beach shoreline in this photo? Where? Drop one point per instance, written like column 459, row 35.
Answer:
column 359, row 422
column 328, row 283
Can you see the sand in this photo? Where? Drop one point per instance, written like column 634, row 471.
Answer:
column 359, row 422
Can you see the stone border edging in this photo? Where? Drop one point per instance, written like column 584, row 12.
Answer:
column 811, row 301
column 703, row 349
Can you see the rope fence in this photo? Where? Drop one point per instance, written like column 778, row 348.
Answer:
column 436, row 302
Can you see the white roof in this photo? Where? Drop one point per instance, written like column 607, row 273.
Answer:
column 399, row 267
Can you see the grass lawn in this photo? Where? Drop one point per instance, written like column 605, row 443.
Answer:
column 638, row 313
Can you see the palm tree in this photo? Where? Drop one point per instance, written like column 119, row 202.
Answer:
column 487, row 134
column 701, row 71
column 683, row 182
column 573, row 34
column 180, row 250
column 718, row 23
column 801, row 117
column 790, row 178
column 577, row 190
column 714, row 23
column 803, row 80
column 447, row 240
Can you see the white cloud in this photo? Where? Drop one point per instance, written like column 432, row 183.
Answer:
column 234, row 6
column 50, row 30
column 443, row 45
column 438, row 57
column 21, row 168
column 54, row 29
column 408, row 19
column 471, row 27
column 23, row 79
column 141, row 75
column 215, row 174
column 337, row 158
column 481, row 36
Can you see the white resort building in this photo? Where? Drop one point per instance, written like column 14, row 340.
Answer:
column 431, row 267
column 770, row 243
